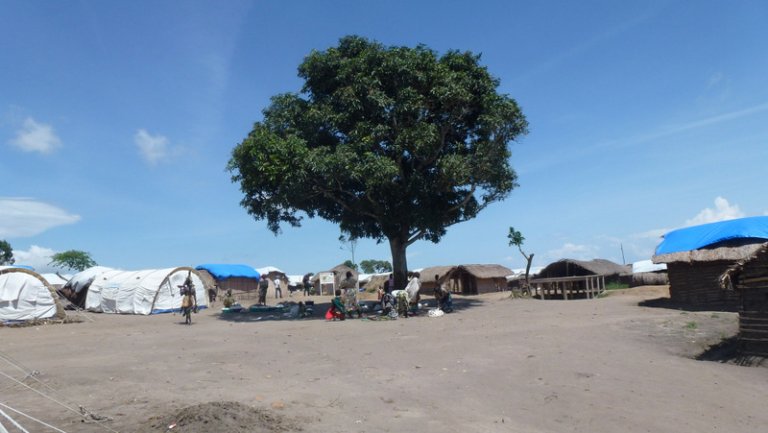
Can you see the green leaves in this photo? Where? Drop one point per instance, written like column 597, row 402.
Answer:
column 388, row 142
column 73, row 259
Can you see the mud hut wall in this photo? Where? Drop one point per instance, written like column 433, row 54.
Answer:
column 753, row 315
column 649, row 279
column 491, row 285
column 242, row 288
column 698, row 284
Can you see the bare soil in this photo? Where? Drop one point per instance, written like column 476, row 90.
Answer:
column 497, row 364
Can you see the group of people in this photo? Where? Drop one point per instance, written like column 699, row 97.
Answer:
column 394, row 303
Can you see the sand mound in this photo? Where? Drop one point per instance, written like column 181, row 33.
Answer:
column 229, row 416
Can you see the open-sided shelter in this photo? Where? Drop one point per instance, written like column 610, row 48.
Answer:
column 696, row 258
column 749, row 279
column 26, row 295
column 570, row 279
column 149, row 291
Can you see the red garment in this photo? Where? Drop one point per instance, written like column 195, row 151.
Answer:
column 332, row 313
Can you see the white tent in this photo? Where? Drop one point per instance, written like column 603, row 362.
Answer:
column 25, row 295
column 149, row 291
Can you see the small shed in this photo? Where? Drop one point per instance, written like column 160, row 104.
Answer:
column 696, row 258
column 26, row 295
column 748, row 278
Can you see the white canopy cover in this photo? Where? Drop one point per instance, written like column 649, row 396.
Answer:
column 149, row 291
column 25, row 295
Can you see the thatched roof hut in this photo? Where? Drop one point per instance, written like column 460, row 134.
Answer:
column 574, row 268
column 697, row 257
column 748, row 278
column 466, row 279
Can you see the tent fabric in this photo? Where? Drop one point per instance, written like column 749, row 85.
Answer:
column 647, row 266
column 24, row 295
column 224, row 271
column 83, row 279
column 145, row 292
column 54, row 279
column 696, row 237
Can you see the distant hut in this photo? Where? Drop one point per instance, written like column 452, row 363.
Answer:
column 477, row 279
column 647, row 273
column 696, row 258
column 374, row 282
column 748, row 278
column 242, row 280
column 568, row 278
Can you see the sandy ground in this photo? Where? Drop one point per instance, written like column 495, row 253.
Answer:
column 496, row 365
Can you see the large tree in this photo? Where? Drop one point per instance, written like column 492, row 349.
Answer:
column 72, row 259
column 6, row 253
column 391, row 143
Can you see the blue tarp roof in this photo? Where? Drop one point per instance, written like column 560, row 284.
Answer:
column 693, row 238
column 222, row 272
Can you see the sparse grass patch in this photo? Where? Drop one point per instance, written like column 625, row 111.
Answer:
column 616, row 286
column 691, row 325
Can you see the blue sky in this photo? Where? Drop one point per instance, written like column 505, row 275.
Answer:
column 117, row 120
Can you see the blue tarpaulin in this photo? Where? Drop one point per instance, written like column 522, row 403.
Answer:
column 222, row 272
column 693, row 238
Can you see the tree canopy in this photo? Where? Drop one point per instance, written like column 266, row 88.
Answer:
column 375, row 266
column 394, row 143
column 72, row 259
column 6, row 253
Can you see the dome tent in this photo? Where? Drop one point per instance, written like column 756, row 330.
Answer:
column 25, row 295
column 150, row 291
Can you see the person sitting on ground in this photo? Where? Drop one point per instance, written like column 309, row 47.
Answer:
column 443, row 297
column 336, row 310
column 402, row 303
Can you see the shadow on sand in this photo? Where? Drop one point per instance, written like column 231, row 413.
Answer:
column 669, row 304
column 727, row 352
column 319, row 308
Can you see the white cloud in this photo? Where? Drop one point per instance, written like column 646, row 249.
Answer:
column 20, row 217
column 36, row 137
column 153, row 148
column 654, row 234
column 37, row 257
column 573, row 251
column 722, row 211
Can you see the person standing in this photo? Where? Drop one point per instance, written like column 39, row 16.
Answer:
column 307, row 284
column 278, row 288
column 349, row 286
column 263, row 287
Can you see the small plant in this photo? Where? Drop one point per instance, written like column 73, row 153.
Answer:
column 691, row 325
column 714, row 315
column 616, row 286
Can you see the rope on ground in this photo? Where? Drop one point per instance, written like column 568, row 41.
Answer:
column 27, row 416
column 82, row 412
column 12, row 421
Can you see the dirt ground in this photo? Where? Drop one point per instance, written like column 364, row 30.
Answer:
column 495, row 365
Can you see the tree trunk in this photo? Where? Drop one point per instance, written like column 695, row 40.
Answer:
column 527, row 270
column 399, row 263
